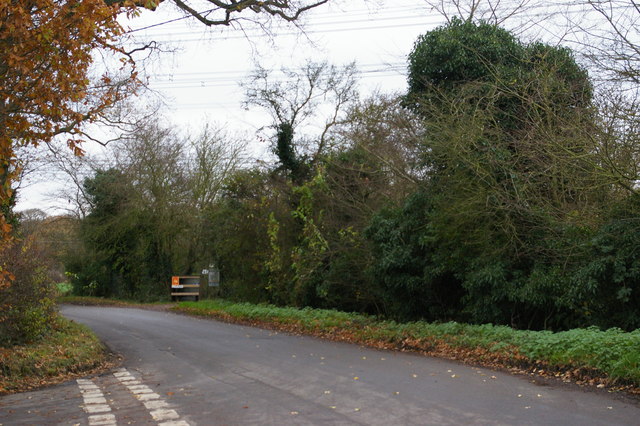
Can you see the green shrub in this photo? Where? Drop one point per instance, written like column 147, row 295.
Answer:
column 69, row 348
column 27, row 306
column 607, row 284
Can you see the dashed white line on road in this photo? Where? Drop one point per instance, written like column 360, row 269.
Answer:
column 95, row 404
column 97, row 408
column 139, row 389
column 158, row 407
column 164, row 414
column 154, row 405
column 104, row 419
column 147, row 396
column 94, row 400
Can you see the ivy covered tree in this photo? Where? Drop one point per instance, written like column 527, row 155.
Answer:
column 319, row 92
column 465, row 55
column 462, row 52
column 512, row 179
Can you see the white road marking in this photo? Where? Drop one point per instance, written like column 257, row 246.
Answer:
column 164, row 414
column 136, row 387
column 154, row 405
column 95, row 404
column 88, row 388
column 158, row 407
column 105, row 419
column 97, row 408
column 95, row 400
column 147, row 396
column 141, row 390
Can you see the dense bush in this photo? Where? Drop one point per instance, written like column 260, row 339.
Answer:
column 27, row 306
column 511, row 190
column 416, row 281
column 607, row 283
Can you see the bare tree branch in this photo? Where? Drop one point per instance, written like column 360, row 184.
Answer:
column 227, row 12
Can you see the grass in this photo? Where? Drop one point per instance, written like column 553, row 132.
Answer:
column 70, row 350
column 588, row 355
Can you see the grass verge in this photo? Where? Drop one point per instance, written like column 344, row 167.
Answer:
column 609, row 358
column 70, row 350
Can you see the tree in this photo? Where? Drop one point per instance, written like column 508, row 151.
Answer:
column 612, row 50
column 371, row 168
column 613, row 46
column 47, row 50
column 45, row 55
column 148, row 210
column 462, row 52
column 318, row 92
column 227, row 12
column 465, row 52
column 494, row 12
column 512, row 179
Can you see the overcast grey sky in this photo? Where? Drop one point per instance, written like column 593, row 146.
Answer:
column 202, row 77
column 198, row 78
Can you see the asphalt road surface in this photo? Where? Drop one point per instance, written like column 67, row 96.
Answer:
column 181, row 371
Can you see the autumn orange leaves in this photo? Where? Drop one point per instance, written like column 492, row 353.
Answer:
column 45, row 55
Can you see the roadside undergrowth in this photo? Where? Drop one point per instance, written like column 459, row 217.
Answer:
column 70, row 350
column 604, row 359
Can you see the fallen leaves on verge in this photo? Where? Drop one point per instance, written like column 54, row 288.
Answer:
column 46, row 370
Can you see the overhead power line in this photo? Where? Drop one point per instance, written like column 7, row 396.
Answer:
column 317, row 16
column 275, row 73
column 385, row 70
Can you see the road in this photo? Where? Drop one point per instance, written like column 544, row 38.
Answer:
column 179, row 370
